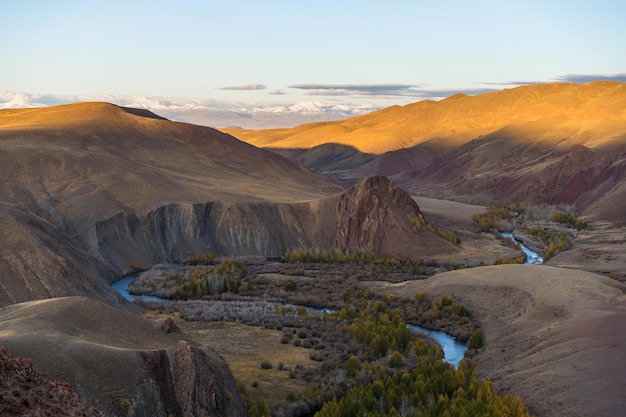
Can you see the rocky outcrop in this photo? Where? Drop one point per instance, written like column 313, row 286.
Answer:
column 25, row 392
column 369, row 211
column 193, row 382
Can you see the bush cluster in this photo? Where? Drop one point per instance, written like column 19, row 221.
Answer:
column 569, row 218
column 193, row 282
column 555, row 241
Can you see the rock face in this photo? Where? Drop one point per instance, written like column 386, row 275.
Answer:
column 175, row 232
column 368, row 211
column 193, row 382
column 375, row 215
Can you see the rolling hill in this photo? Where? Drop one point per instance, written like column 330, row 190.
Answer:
column 556, row 143
column 119, row 363
column 552, row 336
column 65, row 168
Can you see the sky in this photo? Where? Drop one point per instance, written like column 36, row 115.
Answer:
column 338, row 51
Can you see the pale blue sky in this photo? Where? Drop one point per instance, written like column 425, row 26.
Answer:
column 286, row 51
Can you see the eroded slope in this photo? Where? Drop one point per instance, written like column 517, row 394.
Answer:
column 65, row 168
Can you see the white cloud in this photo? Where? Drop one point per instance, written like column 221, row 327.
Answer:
column 208, row 112
column 248, row 87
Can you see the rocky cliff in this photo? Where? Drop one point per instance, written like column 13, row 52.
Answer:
column 372, row 214
column 193, row 382
column 375, row 215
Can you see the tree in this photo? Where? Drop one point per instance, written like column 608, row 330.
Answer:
column 476, row 340
column 395, row 361
column 290, row 285
column 352, row 366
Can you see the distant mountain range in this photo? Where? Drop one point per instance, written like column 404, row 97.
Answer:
column 212, row 113
column 542, row 143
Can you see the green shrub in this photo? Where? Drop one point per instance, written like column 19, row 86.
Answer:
column 476, row 341
column 290, row 285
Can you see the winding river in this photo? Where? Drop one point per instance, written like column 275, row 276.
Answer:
column 122, row 285
column 531, row 257
column 453, row 350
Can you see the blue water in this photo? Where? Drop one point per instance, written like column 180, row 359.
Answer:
column 121, row 287
column 453, row 350
column 531, row 257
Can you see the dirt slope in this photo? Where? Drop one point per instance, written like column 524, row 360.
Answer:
column 553, row 336
column 119, row 363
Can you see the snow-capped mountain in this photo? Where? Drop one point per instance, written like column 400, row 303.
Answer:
column 317, row 107
column 206, row 112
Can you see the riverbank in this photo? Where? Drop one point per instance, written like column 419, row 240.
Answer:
column 532, row 257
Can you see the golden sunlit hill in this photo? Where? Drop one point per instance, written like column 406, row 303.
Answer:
column 556, row 143
column 66, row 168
column 455, row 120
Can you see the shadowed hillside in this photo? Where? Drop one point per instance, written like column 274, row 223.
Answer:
column 119, row 363
column 556, row 143
column 374, row 215
column 65, row 168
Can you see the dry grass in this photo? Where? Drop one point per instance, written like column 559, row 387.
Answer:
column 244, row 348
column 601, row 250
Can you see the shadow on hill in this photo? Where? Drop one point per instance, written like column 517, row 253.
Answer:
column 142, row 113
column 329, row 159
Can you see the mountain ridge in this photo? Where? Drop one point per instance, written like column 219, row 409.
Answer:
column 457, row 119
column 543, row 143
